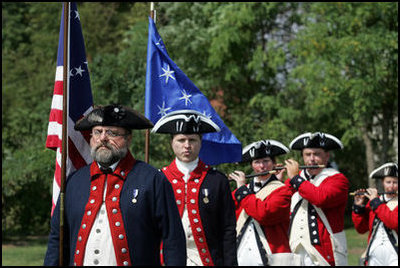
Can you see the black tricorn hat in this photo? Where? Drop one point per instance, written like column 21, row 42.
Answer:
column 316, row 140
column 263, row 148
column 185, row 122
column 113, row 115
column 386, row 170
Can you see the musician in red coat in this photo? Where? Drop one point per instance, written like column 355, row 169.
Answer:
column 262, row 208
column 380, row 217
column 318, row 202
column 202, row 193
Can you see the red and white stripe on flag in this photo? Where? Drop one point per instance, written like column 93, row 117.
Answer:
column 80, row 103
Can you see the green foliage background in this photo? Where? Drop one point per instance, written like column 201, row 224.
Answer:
column 280, row 69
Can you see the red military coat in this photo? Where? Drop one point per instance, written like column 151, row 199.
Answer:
column 363, row 218
column 272, row 213
column 331, row 197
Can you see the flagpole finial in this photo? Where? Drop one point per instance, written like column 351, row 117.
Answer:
column 152, row 11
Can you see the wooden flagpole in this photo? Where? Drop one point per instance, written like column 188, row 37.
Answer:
column 64, row 130
column 147, row 137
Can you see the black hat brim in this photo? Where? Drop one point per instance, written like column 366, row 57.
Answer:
column 185, row 122
column 263, row 148
column 113, row 115
column 386, row 170
column 316, row 140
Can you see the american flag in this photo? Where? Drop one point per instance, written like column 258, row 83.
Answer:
column 80, row 102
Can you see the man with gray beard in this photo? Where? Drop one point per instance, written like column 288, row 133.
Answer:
column 117, row 209
column 109, row 154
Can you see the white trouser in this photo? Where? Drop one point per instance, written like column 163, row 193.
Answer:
column 383, row 255
column 305, row 258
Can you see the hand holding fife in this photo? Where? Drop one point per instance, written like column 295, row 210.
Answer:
column 371, row 193
column 239, row 177
column 292, row 167
column 280, row 172
column 359, row 200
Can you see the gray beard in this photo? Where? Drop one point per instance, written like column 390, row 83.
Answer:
column 109, row 156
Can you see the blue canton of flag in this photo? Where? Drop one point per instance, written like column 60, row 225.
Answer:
column 169, row 89
column 80, row 102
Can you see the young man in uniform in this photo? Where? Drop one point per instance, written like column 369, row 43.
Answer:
column 380, row 216
column 202, row 193
column 262, row 208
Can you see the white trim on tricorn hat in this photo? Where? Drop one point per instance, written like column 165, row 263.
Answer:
column 113, row 115
column 316, row 140
column 386, row 170
column 263, row 148
column 185, row 122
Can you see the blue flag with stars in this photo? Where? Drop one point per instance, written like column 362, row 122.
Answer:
column 169, row 89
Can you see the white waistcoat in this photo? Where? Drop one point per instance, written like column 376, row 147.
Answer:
column 193, row 257
column 99, row 247
column 299, row 239
column 381, row 251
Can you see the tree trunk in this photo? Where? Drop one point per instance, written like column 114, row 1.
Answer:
column 385, row 129
column 369, row 156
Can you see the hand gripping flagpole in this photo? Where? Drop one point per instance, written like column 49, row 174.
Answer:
column 64, row 130
column 147, row 137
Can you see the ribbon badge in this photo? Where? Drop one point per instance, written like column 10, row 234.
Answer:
column 135, row 194
column 205, row 193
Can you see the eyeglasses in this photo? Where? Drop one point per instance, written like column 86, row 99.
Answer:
column 109, row 133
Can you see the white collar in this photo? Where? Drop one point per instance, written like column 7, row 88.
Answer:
column 256, row 179
column 186, row 167
column 385, row 198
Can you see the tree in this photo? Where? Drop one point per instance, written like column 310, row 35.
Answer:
column 230, row 51
column 29, row 50
column 347, row 65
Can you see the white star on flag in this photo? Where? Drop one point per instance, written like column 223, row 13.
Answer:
column 167, row 73
column 159, row 43
column 79, row 71
column 77, row 15
column 185, row 97
column 163, row 110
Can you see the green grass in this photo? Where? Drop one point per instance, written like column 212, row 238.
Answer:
column 30, row 251
column 356, row 244
column 23, row 251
